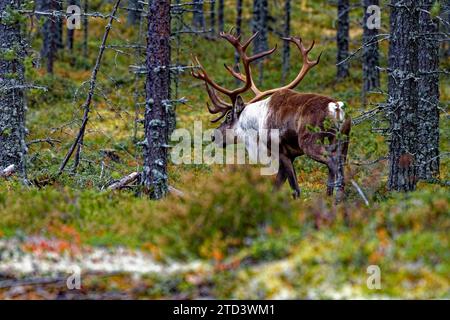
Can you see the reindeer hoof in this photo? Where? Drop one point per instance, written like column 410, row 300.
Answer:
column 296, row 194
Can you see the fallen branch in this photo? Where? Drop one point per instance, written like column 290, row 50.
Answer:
column 124, row 181
column 132, row 177
column 361, row 193
column 176, row 192
column 30, row 282
column 8, row 171
column 50, row 141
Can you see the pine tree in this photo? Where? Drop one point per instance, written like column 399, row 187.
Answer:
column 198, row 17
column 427, row 157
column 158, row 97
column 134, row 12
column 220, row 16
column 342, row 38
column 260, row 24
column 403, row 98
column 286, row 33
column 12, row 103
column 371, row 73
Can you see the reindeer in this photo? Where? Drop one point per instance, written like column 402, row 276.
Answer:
column 294, row 114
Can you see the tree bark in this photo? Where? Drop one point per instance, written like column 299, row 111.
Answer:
column 260, row 24
column 286, row 46
column 370, row 58
column 428, row 112
column 342, row 38
column 158, row 97
column 403, row 98
column 13, row 148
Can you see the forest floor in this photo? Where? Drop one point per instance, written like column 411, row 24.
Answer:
column 229, row 235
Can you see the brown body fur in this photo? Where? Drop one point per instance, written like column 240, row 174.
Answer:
column 293, row 114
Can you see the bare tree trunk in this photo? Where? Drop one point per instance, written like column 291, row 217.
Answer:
column 445, row 26
column 212, row 17
column 238, row 30
column 51, row 32
column 198, row 17
column 71, row 32
column 342, row 38
column 134, row 12
column 260, row 24
column 371, row 73
column 158, row 96
column 13, row 148
column 59, row 24
column 286, row 47
column 427, row 158
column 403, row 95
column 220, row 14
column 85, row 29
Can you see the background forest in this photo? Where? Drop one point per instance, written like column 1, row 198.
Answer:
column 221, row 231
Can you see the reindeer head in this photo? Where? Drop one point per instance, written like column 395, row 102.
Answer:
column 225, row 133
column 232, row 111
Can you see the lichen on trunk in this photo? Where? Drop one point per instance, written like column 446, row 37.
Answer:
column 12, row 103
column 158, row 100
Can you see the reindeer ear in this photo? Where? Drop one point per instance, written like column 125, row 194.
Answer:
column 239, row 105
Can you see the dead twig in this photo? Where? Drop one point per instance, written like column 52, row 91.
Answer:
column 87, row 104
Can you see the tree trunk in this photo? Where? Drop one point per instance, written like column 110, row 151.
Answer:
column 85, row 29
column 198, row 17
column 134, row 14
column 286, row 46
column 445, row 26
column 403, row 98
column 370, row 58
column 158, row 97
column 427, row 159
column 220, row 14
column 12, row 103
column 343, row 29
column 238, row 29
column 260, row 24
column 51, row 32
column 71, row 32
column 212, row 17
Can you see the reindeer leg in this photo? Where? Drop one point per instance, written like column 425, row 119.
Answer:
column 320, row 154
column 291, row 175
column 281, row 177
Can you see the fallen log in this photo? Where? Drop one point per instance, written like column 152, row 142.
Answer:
column 132, row 177
column 176, row 192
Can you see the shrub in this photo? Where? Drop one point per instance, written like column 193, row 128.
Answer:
column 221, row 211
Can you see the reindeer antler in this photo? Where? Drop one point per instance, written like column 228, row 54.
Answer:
column 212, row 87
column 307, row 65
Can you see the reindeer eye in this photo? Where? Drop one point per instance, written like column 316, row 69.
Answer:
column 229, row 117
